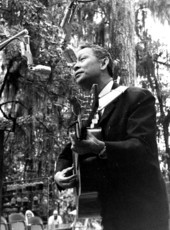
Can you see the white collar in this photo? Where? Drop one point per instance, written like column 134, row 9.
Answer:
column 106, row 89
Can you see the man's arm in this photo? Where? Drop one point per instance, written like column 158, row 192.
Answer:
column 65, row 158
column 60, row 221
column 64, row 176
column 138, row 144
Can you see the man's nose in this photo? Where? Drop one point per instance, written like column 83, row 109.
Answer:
column 76, row 66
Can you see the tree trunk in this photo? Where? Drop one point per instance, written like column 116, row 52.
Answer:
column 1, row 166
column 122, row 39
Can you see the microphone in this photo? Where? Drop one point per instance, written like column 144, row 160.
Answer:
column 69, row 55
column 26, row 51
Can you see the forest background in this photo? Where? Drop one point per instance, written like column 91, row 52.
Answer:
column 38, row 92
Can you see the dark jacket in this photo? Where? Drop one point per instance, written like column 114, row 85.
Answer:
column 132, row 191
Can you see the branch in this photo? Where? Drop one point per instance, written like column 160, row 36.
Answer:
column 162, row 63
column 4, row 114
column 47, row 129
column 4, row 103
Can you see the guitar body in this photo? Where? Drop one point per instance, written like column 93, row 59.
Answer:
column 87, row 169
column 88, row 205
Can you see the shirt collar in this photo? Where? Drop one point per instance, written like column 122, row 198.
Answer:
column 106, row 89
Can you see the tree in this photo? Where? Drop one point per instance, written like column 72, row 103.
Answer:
column 122, row 39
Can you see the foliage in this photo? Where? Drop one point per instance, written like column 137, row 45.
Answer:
column 44, row 102
column 159, row 9
column 152, row 68
column 40, row 110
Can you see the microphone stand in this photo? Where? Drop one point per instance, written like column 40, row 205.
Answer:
column 5, row 43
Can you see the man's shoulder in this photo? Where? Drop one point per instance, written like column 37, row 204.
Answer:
column 59, row 218
column 136, row 95
column 134, row 92
column 51, row 218
column 138, row 89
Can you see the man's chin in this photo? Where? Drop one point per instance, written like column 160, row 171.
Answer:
column 79, row 80
column 85, row 85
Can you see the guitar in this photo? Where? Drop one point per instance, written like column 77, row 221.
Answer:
column 87, row 203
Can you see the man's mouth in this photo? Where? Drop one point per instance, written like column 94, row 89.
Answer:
column 77, row 75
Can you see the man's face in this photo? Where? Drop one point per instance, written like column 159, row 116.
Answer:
column 87, row 68
column 55, row 216
column 29, row 215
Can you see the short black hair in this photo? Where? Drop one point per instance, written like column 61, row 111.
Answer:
column 100, row 52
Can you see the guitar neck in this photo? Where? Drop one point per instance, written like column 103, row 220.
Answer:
column 83, row 124
column 87, row 204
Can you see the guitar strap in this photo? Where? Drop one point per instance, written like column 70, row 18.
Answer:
column 111, row 96
column 106, row 100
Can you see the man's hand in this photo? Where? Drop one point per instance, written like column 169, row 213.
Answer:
column 65, row 181
column 90, row 145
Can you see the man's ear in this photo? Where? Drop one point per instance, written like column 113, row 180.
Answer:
column 104, row 63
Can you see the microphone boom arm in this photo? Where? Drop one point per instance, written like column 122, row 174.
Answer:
column 5, row 43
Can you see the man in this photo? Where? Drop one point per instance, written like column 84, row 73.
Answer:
column 54, row 221
column 28, row 215
column 131, row 189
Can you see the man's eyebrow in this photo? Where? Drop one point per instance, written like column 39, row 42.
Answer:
column 82, row 55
